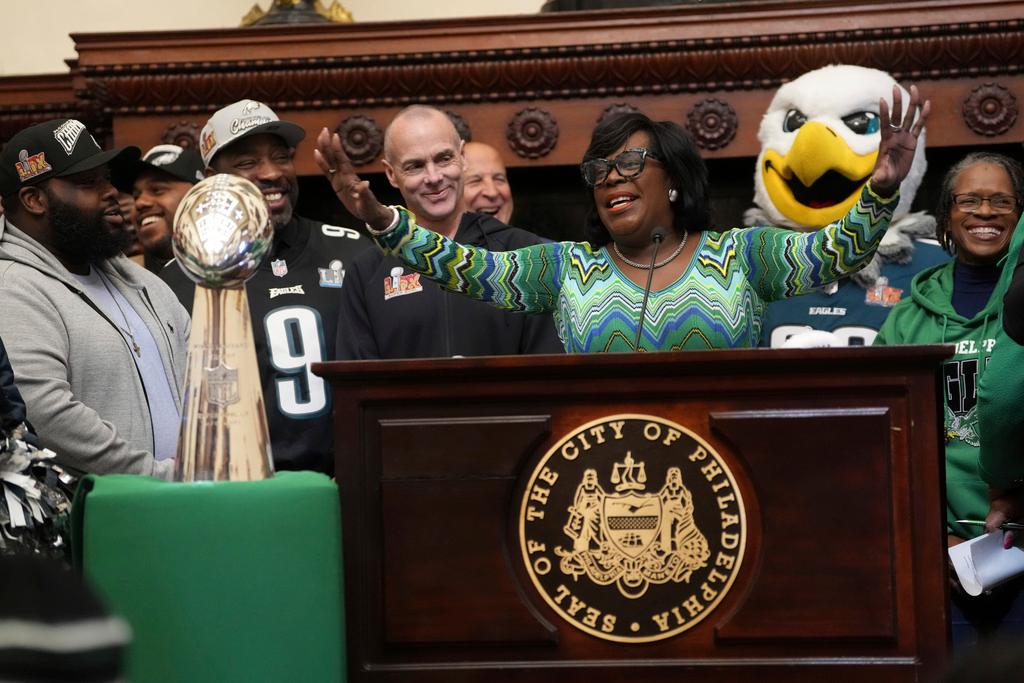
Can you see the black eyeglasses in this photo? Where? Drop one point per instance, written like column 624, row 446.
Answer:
column 629, row 164
column 998, row 203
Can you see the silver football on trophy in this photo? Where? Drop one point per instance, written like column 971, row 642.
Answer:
column 222, row 231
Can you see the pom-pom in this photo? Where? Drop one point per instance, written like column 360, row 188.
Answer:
column 35, row 499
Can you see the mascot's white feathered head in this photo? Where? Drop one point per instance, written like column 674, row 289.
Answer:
column 819, row 141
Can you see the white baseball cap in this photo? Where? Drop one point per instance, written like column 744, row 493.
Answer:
column 241, row 119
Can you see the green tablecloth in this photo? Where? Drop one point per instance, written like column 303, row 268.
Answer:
column 226, row 581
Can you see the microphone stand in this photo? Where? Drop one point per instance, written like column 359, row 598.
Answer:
column 657, row 237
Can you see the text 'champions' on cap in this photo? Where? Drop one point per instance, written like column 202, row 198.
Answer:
column 242, row 119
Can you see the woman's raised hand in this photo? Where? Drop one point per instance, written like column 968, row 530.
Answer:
column 899, row 140
column 354, row 193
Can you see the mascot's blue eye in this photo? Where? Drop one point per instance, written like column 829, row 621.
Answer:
column 862, row 123
column 794, row 119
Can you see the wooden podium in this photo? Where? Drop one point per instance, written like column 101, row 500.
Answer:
column 753, row 515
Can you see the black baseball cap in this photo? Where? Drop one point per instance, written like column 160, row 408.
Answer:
column 178, row 162
column 55, row 149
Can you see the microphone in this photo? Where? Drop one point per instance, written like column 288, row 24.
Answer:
column 657, row 235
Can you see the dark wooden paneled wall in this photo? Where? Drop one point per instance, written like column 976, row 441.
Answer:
column 534, row 86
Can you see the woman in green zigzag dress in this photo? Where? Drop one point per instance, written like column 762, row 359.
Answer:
column 709, row 289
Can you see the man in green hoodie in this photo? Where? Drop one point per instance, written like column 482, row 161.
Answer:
column 958, row 303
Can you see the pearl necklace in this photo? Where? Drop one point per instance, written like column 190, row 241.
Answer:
column 659, row 264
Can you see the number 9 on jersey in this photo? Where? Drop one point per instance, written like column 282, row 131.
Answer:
column 295, row 338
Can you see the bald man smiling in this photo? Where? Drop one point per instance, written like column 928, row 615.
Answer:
column 388, row 311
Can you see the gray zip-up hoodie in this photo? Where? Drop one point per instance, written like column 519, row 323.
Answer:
column 77, row 374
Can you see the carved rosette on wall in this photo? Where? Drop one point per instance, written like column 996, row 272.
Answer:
column 460, row 125
column 990, row 110
column 183, row 134
column 361, row 138
column 616, row 109
column 712, row 123
column 532, row 133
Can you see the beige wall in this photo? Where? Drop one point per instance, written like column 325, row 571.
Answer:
column 34, row 34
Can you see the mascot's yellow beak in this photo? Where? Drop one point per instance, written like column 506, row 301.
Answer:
column 820, row 177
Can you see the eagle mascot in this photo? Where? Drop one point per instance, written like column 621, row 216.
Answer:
column 819, row 140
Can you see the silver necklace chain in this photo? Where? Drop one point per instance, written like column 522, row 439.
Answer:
column 127, row 329
column 659, row 264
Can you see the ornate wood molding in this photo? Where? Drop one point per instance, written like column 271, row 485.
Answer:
column 27, row 100
column 990, row 110
column 532, row 133
column 183, row 134
column 663, row 61
column 361, row 138
column 712, row 123
column 615, row 110
column 380, row 78
column 461, row 125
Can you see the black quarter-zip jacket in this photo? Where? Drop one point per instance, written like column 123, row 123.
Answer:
column 389, row 311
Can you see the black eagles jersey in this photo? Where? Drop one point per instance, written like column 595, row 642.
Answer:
column 294, row 301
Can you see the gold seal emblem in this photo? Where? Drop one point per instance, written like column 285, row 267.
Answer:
column 632, row 528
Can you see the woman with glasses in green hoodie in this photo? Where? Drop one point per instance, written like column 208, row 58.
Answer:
column 958, row 303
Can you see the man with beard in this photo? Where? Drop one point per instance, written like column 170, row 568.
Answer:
column 157, row 184
column 389, row 312
column 97, row 342
column 293, row 297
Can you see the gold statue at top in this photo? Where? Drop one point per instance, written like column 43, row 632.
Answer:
column 298, row 12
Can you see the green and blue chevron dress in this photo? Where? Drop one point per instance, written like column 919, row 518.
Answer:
column 717, row 302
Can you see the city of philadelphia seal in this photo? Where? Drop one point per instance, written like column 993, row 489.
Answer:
column 632, row 528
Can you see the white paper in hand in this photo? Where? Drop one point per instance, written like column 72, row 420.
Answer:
column 982, row 563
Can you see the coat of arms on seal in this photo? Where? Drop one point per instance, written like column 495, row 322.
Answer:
column 632, row 538
column 632, row 528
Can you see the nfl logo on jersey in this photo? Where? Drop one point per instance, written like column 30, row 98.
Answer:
column 279, row 267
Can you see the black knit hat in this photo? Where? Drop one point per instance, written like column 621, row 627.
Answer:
column 52, row 627
column 54, row 149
